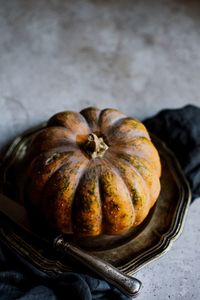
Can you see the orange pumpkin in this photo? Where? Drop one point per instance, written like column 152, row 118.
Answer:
column 91, row 173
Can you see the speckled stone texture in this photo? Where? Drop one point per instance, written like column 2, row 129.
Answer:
column 139, row 56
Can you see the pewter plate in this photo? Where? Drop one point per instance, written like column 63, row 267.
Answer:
column 128, row 252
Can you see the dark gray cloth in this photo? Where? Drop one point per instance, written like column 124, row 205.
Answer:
column 21, row 280
column 180, row 130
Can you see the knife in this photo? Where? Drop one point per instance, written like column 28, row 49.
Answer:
column 18, row 214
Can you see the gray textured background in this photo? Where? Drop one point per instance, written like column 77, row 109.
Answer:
column 139, row 56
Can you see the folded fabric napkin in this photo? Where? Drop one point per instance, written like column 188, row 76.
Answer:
column 180, row 130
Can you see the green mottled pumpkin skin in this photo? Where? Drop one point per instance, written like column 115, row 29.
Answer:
column 89, row 196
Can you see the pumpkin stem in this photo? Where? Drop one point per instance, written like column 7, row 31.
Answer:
column 95, row 146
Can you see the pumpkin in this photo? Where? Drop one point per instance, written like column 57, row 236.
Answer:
column 91, row 173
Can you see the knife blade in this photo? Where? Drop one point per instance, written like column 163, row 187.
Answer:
column 18, row 214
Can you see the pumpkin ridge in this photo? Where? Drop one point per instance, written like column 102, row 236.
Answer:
column 40, row 143
column 52, row 127
column 123, row 128
column 117, row 168
column 33, row 165
column 115, row 203
column 109, row 111
column 61, row 225
column 71, row 121
column 137, row 157
column 56, row 149
column 86, row 228
column 136, row 154
column 101, row 194
column 131, row 166
column 140, row 161
column 134, row 122
column 136, row 151
column 131, row 142
column 66, row 130
column 134, row 198
column 91, row 115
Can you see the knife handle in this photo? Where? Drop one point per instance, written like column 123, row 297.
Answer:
column 127, row 284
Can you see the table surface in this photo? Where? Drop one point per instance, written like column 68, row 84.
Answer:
column 138, row 56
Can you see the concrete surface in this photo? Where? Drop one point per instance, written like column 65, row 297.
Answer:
column 177, row 274
column 139, row 56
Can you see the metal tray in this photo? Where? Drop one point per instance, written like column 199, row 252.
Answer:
column 128, row 252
